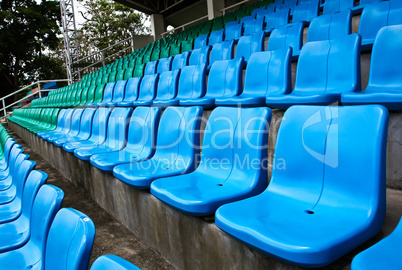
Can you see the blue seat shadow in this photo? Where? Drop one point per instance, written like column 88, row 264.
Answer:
column 383, row 255
column 336, row 71
column 314, row 218
column 176, row 149
column 130, row 92
column 141, row 140
column 225, row 173
column 30, row 256
column 200, row 56
column 221, row 51
column 267, row 74
column 385, row 79
column 70, row 240
column 112, row 262
column 147, row 92
column 118, row 93
column 165, row 64
column 248, row 45
column 287, row 36
column 181, row 60
column 116, row 135
column 225, row 80
column 167, row 87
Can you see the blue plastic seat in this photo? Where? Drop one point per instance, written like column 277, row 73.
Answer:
column 112, row 262
column 60, row 139
column 176, row 149
column 257, row 10
column 66, row 124
column 167, row 87
column 192, row 84
column 130, row 92
column 201, row 41
column 141, row 140
column 116, row 135
column 221, row 178
column 200, row 56
column 287, row 36
column 325, row 70
column 385, row 80
column 247, row 18
column 47, row 203
column 15, row 231
column 107, row 96
column 222, row 51
column 147, row 92
column 7, row 150
column 333, row 6
column 24, row 193
column 248, row 45
column 267, row 74
column 216, row 36
column 311, row 219
column 233, row 30
column 276, row 19
column 70, row 240
column 181, row 60
column 224, row 81
column 362, row 4
column 291, row 5
column 118, row 93
column 164, row 64
column 150, row 68
column 8, row 172
column 98, row 131
column 376, row 16
column 383, row 255
column 253, row 26
column 305, row 12
column 332, row 26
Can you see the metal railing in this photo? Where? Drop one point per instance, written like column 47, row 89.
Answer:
column 233, row 6
column 182, row 26
column 3, row 103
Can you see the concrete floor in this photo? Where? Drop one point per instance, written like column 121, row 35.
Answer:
column 114, row 238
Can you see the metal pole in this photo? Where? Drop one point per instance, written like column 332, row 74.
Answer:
column 4, row 108
column 40, row 94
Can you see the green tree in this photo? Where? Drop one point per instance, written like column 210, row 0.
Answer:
column 29, row 33
column 106, row 23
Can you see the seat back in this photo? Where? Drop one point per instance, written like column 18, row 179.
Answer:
column 99, row 93
column 336, row 67
column 253, row 26
column 385, row 75
column 192, row 82
column 120, row 75
column 99, row 125
column 70, row 240
column 222, row 51
column 86, row 123
column 165, row 64
column 200, row 56
column 91, row 94
column 23, row 168
column 225, row 78
column 148, row 87
column 128, row 73
column 332, row 26
column 287, row 36
column 118, row 93
column 75, row 122
column 116, row 135
column 150, row 67
column 7, row 150
column 67, row 122
column 34, row 180
column 250, row 44
column 131, row 89
column 269, row 73
column 216, row 36
column 139, row 70
column 277, row 19
column 108, row 92
column 112, row 262
column 167, row 85
column 201, row 41
column 332, row 6
column 233, row 30
column 181, row 60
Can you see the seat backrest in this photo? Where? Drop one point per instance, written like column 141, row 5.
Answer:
column 253, row 26
column 22, row 169
column 225, row 78
column 269, row 73
column 200, row 56
column 247, row 18
column 287, row 36
column 181, row 60
column 165, row 64
column 120, row 75
column 201, row 41
column 70, row 240
column 150, row 67
column 108, row 92
column 46, row 204
column 78, row 97
column 75, row 122
column 132, row 88
column 385, row 75
column 192, row 82
column 67, row 122
column 139, row 70
column 277, row 19
column 116, row 135
column 168, row 85
column 336, row 67
column 332, row 26
column 142, row 131
column 216, row 36
column 86, row 123
column 237, row 144
column 332, row 6
column 118, row 93
column 248, row 45
column 128, row 73
column 233, row 30
column 99, row 125
column 222, row 51
column 257, row 10
column 34, row 180
column 7, row 150
column 14, row 153
column 112, row 262
column 326, row 142
column 148, row 87
column 265, row 12
column 99, row 93
column 178, row 138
